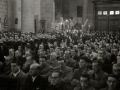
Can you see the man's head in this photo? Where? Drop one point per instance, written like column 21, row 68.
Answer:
column 112, row 82
column 118, row 57
column 11, row 38
column 15, row 66
column 84, row 80
column 11, row 52
column 17, row 53
column 100, row 53
column 27, row 53
column 52, row 49
column 53, row 56
column 73, row 52
column 96, row 66
column 8, row 60
column 27, row 47
column 41, row 52
column 41, row 46
column 75, row 47
column 83, row 62
column 42, row 61
column 56, row 78
column 34, row 69
column 67, row 54
column 61, row 63
column 19, row 47
column 116, row 69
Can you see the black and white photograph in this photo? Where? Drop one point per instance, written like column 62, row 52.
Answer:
column 59, row 44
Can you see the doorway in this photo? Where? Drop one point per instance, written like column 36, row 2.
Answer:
column 107, row 17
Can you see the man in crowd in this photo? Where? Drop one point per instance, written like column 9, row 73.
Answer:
column 69, row 61
column 56, row 82
column 99, row 77
column 66, row 73
column 34, row 81
column 46, row 69
column 84, row 83
column 5, row 69
column 116, row 71
column 83, row 69
column 112, row 83
column 18, row 73
column 53, row 59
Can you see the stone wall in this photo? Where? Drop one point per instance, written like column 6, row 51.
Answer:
column 37, row 14
column 73, row 10
column 3, row 14
column 44, row 10
column 47, row 13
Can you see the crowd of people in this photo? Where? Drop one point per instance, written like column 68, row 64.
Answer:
column 61, row 61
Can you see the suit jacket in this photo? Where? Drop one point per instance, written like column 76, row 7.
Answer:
column 100, row 82
column 38, row 84
column 108, row 89
column 71, row 63
column 3, row 52
column 46, row 71
column 8, row 83
column 53, row 63
column 21, row 76
column 67, row 74
column 59, row 87
column 78, row 72
column 87, row 88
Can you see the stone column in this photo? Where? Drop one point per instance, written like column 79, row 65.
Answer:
column 85, row 14
column 17, row 15
column 27, row 13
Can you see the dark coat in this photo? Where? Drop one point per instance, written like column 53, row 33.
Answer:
column 21, row 77
column 78, row 72
column 87, row 88
column 108, row 89
column 71, row 63
column 100, row 82
column 38, row 84
column 59, row 87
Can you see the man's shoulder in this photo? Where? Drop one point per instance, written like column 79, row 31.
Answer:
column 68, row 69
column 104, row 73
column 72, row 60
column 22, row 73
column 77, row 88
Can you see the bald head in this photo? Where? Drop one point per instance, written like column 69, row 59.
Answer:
column 34, row 69
column 53, row 56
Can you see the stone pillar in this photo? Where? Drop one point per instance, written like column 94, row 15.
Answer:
column 17, row 15
column 27, row 13
column 85, row 15
column 10, row 14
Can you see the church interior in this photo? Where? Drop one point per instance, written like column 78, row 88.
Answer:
column 59, row 44
column 33, row 15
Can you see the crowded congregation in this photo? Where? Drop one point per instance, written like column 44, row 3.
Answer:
column 59, row 45
column 58, row 61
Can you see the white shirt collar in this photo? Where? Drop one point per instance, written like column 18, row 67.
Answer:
column 15, row 74
column 33, row 78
